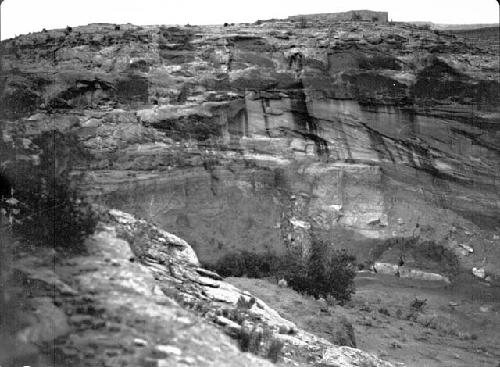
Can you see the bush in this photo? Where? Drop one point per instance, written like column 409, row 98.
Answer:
column 245, row 263
column 418, row 304
column 8, row 296
column 260, row 340
column 45, row 206
column 275, row 347
column 57, row 218
column 326, row 273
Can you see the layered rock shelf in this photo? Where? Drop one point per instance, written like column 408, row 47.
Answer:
column 258, row 136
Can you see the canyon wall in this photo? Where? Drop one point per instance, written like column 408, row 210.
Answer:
column 356, row 15
column 260, row 137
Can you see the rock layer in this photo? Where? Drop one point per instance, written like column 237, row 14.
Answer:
column 259, row 136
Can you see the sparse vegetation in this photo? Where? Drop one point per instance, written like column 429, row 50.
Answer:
column 8, row 298
column 45, row 209
column 274, row 349
column 259, row 339
column 418, row 304
column 254, row 336
column 326, row 273
column 249, row 264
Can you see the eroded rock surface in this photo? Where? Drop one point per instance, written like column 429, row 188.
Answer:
column 230, row 136
column 145, row 301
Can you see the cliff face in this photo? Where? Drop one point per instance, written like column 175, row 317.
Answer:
column 259, row 136
column 357, row 15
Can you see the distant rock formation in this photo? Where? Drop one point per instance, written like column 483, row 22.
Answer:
column 356, row 15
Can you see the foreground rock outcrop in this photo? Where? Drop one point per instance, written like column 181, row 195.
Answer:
column 123, row 302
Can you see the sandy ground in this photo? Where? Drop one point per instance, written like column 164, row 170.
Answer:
column 458, row 326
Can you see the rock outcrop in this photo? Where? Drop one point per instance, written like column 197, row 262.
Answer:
column 356, row 15
column 136, row 296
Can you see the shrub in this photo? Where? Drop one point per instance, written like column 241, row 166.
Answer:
column 247, row 264
column 57, row 218
column 418, row 304
column 275, row 348
column 259, row 339
column 326, row 273
column 8, row 296
column 429, row 254
column 46, row 208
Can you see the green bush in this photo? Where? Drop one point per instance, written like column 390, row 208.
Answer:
column 9, row 297
column 327, row 272
column 249, row 264
column 45, row 207
column 58, row 218
column 260, row 340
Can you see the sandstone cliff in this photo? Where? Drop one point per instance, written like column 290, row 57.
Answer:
column 256, row 136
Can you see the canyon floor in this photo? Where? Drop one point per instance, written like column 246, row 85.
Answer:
column 459, row 326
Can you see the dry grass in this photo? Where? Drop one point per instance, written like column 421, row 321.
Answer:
column 307, row 312
column 387, row 325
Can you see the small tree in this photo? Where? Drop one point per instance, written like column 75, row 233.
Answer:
column 245, row 263
column 326, row 273
column 49, row 210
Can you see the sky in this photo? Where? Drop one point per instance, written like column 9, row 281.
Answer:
column 24, row 16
